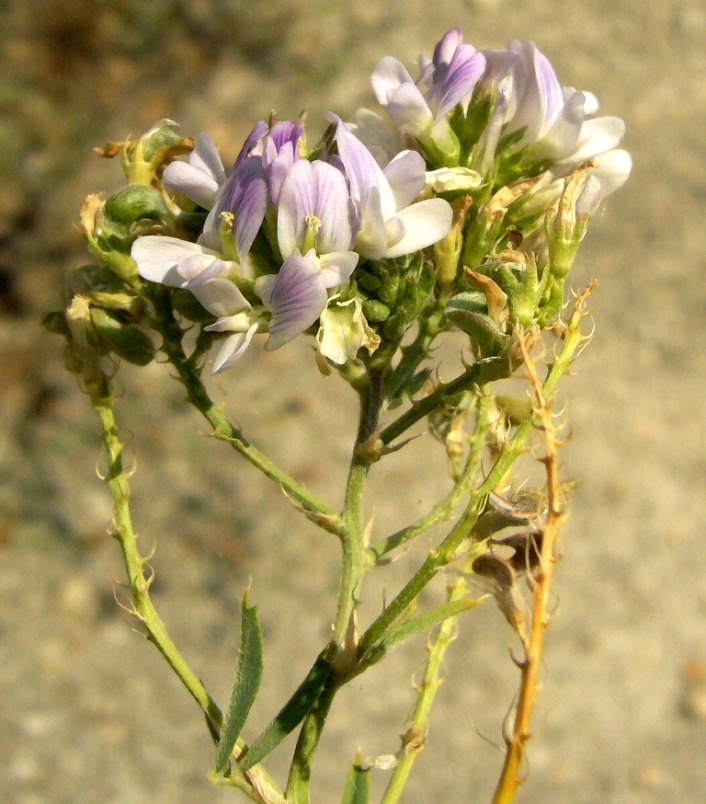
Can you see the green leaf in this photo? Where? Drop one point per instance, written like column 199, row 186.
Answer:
column 357, row 788
column 291, row 715
column 246, row 685
column 422, row 623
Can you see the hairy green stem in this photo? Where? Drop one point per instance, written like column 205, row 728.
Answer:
column 508, row 455
column 480, row 373
column 430, row 325
column 300, row 770
column 414, row 737
column 258, row 785
column 325, row 516
column 443, row 510
column 343, row 652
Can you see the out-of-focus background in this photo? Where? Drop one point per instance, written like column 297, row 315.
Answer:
column 88, row 710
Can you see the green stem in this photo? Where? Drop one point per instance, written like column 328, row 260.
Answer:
column 260, row 786
column 508, row 455
column 300, row 770
column 430, row 325
column 480, row 373
column 414, row 738
column 343, row 650
column 325, row 516
column 443, row 510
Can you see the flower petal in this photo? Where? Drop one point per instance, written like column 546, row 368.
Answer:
column 158, row 258
column 233, row 349
column 296, row 296
column 246, row 197
column 205, row 157
column 314, row 189
column 220, row 297
column 598, row 135
column 196, row 184
column 425, row 223
column 336, row 267
column 406, row 175
column 388, row 77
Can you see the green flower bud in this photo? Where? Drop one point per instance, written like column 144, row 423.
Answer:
column 134, row 203
column 389, row 287
column 447, row 252
column 375, row 311
column 468, row 312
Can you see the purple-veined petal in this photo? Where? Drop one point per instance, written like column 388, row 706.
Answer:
column 540, row 97
column 296, row 296
column 279, row 169
column 286, row 132
column 336, row 267
column 233, row 349
column 445, row 50
column 158, row 258
column 258, row 132
column 246, row 197
column 406, row 174
column 314, row 189
column 464, row 72
column 362, row 171
column 425, row 223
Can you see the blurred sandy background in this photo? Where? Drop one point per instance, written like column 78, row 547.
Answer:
column 88, row 710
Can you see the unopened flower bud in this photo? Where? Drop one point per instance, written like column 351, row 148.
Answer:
column 580, row 199
column 447, row 251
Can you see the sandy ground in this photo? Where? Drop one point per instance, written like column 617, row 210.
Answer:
column 88, row 710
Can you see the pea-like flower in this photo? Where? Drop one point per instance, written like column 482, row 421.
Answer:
column 315, row 236
column 386, row 222
column 419, row 108
column 204, row 272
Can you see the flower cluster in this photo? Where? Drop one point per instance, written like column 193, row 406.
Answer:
column 471, row 159
column 285, row 230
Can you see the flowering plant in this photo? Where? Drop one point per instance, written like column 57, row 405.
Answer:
column 459, row 207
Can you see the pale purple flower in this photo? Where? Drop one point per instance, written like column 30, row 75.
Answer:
column 296, row 295
column 558, row 123
column 444, row 81
column 201, row 176
column 255, row 182
column 386, row 222
column 314, row 213
column 204, row 272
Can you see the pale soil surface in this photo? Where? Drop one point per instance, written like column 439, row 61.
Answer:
column 88, row 710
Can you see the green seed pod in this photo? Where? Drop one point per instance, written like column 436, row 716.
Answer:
column 125, row 340
column 479, row 326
